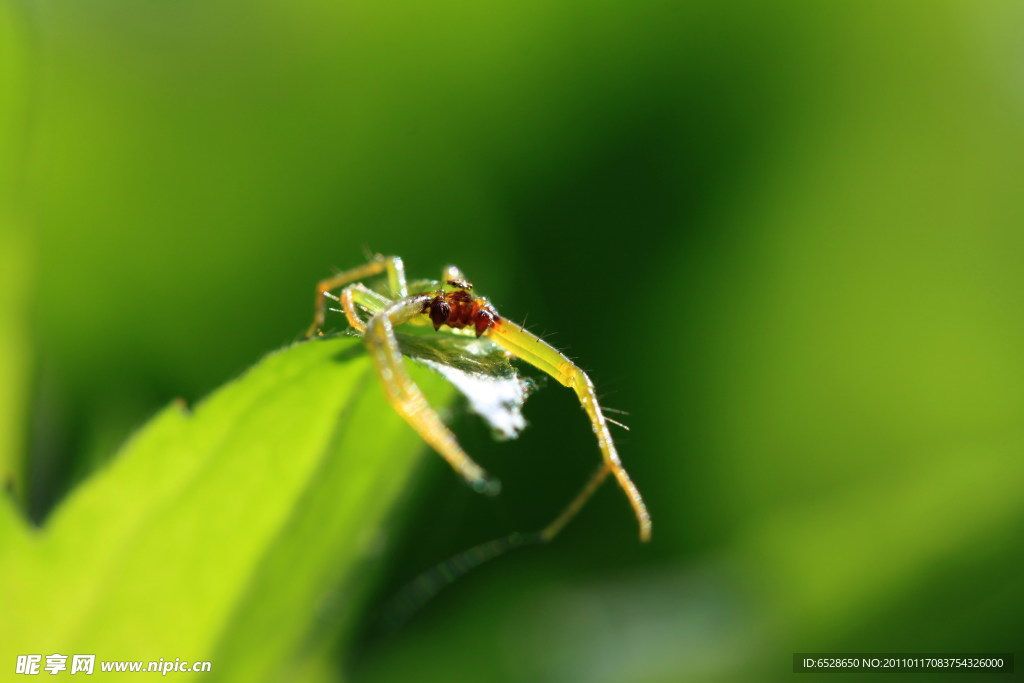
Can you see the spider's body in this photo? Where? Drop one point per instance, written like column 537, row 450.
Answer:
column 460, row 309
column 449, row 303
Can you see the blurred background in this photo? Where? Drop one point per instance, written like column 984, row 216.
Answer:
column 785, row 237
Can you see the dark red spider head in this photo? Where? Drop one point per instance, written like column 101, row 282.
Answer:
column 459, row 309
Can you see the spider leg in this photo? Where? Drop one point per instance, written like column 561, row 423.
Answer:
column 538, row 353
column 392, row 265
column 364, row 297
column 570, row 511
column 407, row 399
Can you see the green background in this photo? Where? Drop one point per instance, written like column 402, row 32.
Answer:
column 785, row 237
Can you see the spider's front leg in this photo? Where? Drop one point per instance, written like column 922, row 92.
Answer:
column 406, row 397
column 392, row 265
column 538, row 353
column 364, row 297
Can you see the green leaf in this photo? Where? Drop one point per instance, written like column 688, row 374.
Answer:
column 16, row 247
column 242, row 533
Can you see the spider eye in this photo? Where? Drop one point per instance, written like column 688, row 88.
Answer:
column 439, row 311
column 484, row 321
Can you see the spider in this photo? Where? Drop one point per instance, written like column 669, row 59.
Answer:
column 451, row 304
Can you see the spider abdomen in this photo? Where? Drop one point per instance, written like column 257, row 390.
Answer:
column 461, row 309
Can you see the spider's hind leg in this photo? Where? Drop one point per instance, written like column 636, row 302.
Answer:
column 392, row 265
column 363, row 297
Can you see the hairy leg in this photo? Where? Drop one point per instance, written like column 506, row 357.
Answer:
column 538, row 353
column 392, row 265
column 558, row 523
column 363, row 297
column 407, row 399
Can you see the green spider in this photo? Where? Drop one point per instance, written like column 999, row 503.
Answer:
column 450, row 304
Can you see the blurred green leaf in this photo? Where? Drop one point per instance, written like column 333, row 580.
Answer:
column 188, row 544
column 15, row 262
column 15, row 357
